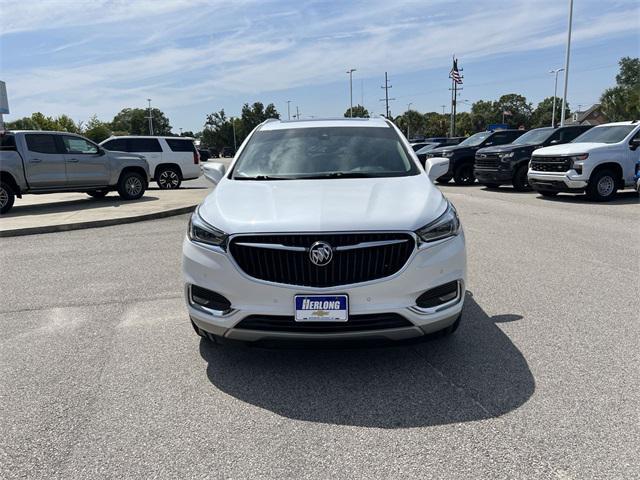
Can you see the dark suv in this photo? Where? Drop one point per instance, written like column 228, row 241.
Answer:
column 461, row 156
column 508, row 164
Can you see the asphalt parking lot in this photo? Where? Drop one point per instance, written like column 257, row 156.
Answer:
column 101, row 374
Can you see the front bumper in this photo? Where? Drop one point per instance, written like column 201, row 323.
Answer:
column 427, row 268
column 493, row 176
column 569, row 181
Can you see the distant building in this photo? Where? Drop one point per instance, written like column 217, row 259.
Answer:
column 591, row 116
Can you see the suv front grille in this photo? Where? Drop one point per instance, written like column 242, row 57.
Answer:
column 356, row 323
column 282, row 258
column 550, row 164
column 487, row 161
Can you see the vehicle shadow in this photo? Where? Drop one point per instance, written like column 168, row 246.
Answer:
column 622, row 198
column 73, row 205
column 475, row 374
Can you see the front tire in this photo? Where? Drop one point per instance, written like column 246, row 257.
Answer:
column 464, row 174
column 547, row 193
column 168, row 178
column 602, row 186
column 520, row 180
column 98, row 193
column 7, row 197
column 491, row 186
column 131, row 186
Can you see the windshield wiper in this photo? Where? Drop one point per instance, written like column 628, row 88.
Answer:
column 262, row 177
column 338, row 175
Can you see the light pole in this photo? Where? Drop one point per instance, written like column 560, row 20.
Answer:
column 408, row 108
column 150, row 118
column 233, row 125
column 288, row 109
column 555, row 94
column 566, row 64
column 350, row 72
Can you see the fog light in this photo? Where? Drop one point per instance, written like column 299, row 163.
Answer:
column 208, row 299
column 438, row 296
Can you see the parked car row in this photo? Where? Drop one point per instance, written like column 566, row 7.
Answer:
column 596, row 160
column 53, row 162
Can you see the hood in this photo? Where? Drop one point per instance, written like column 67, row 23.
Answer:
column 570, row 149
column 353, row 204
column 506, row 149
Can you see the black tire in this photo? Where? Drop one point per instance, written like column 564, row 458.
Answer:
column 98, row 193
column 7, row 197
column 520, row 180
column 547, row 193
column 603, row 186
column 131, row 185
column 464, row 174
column 492, row 186
column 168, row 178
column 444, row 179
column 445, row 332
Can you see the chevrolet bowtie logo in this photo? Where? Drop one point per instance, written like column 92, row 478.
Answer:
column 320, row 313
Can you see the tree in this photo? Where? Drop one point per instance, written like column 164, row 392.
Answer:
column 218, row 130
column 252, row 116
column 66, row 124
column 622, row 102
column 519, row 109
column 413, row 121
column 436, row 124
column 97, row 130
column 40, row 121
column 464, row 124
column 541, row 116
column 358, row 111
column 135, row 121
column 188, row 133
column 484, row 113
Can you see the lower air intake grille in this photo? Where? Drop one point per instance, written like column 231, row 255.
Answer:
column 356, row 323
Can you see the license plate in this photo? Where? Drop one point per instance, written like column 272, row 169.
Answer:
column 321, row 308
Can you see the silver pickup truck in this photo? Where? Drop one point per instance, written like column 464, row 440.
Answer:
column 54, row 162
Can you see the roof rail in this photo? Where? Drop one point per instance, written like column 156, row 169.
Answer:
column 271, row 120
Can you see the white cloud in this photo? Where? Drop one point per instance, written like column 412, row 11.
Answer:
column 111, row 53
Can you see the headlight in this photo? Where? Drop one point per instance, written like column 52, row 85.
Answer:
column 201, row 232
column 506, row 156
column 447, row 225
column 447, row 154
column 577, row 158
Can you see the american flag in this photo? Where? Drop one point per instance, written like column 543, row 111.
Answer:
column 455, row 73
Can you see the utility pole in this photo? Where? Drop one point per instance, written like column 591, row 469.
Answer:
column 180, row 131
column 297, row 113
column 233, row 126
column 454, row 97
column 350, row 72
column 555, row 94
column 386, row 98
column 566, row 65
column 288, row 109
column 443, row 107
column 408, row 108
column 150, row 118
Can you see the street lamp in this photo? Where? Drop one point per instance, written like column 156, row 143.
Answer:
column 408, row 108
column 555, row 94
column 350, row 72
column 566, row 65
column 150, row 118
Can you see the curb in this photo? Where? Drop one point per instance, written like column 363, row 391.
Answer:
column 18, row 232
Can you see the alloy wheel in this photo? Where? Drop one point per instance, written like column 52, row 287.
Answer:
column 169, row 179
column 4, row 197
column 133, row 186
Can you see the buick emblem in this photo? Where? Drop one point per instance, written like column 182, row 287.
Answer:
column 320, row 254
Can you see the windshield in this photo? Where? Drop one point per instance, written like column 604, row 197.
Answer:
column 324, row 152
column 474, row 140
column 426, row 148
column 610, row 134
column 534, row 137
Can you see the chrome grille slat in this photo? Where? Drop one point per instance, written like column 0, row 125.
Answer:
column 363, row 257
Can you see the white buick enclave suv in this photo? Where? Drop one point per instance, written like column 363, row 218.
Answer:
column 324, row 229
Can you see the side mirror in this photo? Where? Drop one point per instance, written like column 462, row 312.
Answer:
column 214, row 172
column 634, row 143
column 101, row 151
column 488, row 144
column 436, row 167
column 553, row 142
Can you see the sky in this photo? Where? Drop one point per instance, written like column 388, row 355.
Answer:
column 194, row 57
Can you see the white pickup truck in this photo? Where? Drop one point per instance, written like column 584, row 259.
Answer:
column 599, row 162
column 53, row 162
